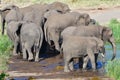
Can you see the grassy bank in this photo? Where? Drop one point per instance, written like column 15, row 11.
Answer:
column 114, row 24
column 5, row 46
column 71, row 3
column 113, row 69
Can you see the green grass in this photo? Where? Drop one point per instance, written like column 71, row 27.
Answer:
column 114, row 24
column 5, row 46
column 113, row 69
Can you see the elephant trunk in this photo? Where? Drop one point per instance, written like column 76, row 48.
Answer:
column 113, row 47
column 3, row 25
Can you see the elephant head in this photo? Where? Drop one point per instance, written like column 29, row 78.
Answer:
column 84, row 19
column 3, row 15
column 9, row 7
column 4, row 11
column 92, row 22
column 59, row 6
column 107, row 35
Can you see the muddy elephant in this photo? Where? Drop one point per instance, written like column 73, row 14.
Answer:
column 56, row 23
column 102, row 32
column 40, row 9
column 85, row 47
column 31, row 36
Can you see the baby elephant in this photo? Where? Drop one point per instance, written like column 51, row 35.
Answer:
column 31, row 39
column 75, row 46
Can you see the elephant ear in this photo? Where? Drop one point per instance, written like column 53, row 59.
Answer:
column 106, row 33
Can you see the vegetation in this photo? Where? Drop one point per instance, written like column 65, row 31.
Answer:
column 3, row 75
column 115, row 26
column 113, row 69
column 5, row 46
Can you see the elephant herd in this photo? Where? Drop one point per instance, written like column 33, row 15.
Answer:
column 74, row 34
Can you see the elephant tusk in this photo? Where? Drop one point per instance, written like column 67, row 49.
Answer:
column 102, row 55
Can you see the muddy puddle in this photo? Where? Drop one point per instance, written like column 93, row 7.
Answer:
column 51, row 67
column 48, row 68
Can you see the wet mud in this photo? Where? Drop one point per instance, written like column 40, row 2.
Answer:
column 50, row 67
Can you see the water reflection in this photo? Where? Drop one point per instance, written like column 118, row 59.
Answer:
column 109, row 51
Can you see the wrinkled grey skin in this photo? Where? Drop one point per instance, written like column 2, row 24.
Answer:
column 57, row 22
column 104, row 33
column 31, row 37
column 39, row 9
column 75, row 46
column 14, row 36
column 12, row 26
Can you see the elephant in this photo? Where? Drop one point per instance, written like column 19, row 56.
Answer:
column 40, row 9
column 12, row 23
column 56, row 23
column 13, row 34
column 99, row 31
column 31, row 36
column 85, row 47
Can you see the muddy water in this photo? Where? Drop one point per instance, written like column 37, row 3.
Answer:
column 51, row 67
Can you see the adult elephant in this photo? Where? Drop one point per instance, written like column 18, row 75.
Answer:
column 102, row 32
column 40, row 9
column 12, row 27
column 56, row 23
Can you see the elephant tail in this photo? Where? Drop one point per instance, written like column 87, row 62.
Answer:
column 41, row 39
column 45, row 32
column 61, row 51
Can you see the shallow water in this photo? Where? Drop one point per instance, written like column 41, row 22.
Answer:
column 109, row 52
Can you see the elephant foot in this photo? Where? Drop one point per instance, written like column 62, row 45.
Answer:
column 24, row 59
column 37, row 60
column 32, row 60
column 15, row 54
column 84, row 70
column 66, row 70
column 94, row 70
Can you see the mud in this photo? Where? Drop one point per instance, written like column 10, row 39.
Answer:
column 48, row 68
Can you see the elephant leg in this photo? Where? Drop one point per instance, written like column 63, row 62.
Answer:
column 15, row 46
column 30, row 54
column 85, row 61
column 71, row 65
column 15, row 49
column 24, row 52
column 55, row 38
column 66, row 66
column 37, row 55
column 92, row 58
